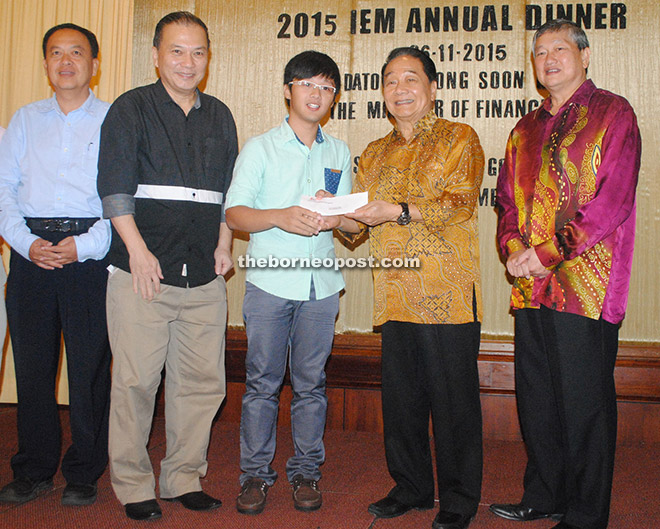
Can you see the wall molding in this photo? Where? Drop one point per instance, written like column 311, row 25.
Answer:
column 355, row 363
column 353, row 380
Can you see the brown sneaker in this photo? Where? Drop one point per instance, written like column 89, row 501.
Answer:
column 252, row 498
column 306, row 494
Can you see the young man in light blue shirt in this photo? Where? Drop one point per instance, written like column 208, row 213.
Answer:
column 289, row 311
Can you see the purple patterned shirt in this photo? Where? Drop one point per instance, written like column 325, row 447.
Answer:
column 567, row 188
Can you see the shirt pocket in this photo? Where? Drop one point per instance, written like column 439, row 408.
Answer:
column 90, row 158
column 332, row 178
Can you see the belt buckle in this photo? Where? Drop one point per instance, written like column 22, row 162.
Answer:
column 62, row 225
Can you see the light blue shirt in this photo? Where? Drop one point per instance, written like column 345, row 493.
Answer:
column 3, row 274
column 48, row 166
column 273, row 171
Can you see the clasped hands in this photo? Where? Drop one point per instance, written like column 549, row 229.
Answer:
column 50, row 256
column 525, row 263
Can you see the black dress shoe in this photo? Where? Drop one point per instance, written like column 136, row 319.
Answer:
column 564, row 525
column 389, row 507
column 197, row 501
column 22, row 490
column 79, row 494
column 451, row 520
column 519, row 513
column 143, row 510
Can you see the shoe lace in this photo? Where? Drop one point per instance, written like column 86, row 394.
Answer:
column 255, row 484
column 298, row 481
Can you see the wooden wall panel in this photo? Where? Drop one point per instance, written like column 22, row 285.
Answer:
column 363, row 411
column 353, row 375
column 500, row 417
column 639, row 423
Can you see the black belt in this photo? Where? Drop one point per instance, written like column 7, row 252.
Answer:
column 61, row 224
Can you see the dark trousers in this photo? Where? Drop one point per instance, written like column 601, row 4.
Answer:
column 567, row 408
column 432, row 370
column 41, row 306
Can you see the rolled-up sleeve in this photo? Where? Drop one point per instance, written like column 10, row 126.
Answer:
column 118, row 162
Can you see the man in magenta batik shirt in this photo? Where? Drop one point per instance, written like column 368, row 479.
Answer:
column 566, row 199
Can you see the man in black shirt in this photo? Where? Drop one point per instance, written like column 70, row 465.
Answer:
column 166, row 158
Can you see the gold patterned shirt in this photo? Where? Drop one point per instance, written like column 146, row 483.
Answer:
column 440, row 171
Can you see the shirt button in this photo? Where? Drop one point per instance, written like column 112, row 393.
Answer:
column 309, row 181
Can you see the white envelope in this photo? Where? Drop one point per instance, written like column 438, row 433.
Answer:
column 335, row 205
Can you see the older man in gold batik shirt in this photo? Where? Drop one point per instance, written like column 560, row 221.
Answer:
column 440, row 172
column 423, row 181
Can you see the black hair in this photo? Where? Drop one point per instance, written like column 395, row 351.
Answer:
column 310, row 64
column 91, row 38
column 179, row 17
column 427, row 62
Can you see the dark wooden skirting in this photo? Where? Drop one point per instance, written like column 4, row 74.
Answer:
column 355, row 363
column 353, row 380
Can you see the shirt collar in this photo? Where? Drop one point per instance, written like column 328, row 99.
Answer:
column 319, row 132
column 425, row 124
column 580, row 97
column 51, row 104
column 163, row 97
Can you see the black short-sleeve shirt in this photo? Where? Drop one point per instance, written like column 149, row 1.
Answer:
column 172, row 172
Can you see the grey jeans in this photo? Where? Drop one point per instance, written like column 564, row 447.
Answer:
column 301, row 331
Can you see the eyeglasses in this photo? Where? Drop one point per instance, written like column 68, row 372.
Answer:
column 308, row 85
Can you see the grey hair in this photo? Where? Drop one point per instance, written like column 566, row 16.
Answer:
column 576, row 32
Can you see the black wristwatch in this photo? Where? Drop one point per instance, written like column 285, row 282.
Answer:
column 405, row 217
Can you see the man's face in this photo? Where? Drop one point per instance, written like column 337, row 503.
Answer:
column 182, row 58
column 408, row 93
column 69, row 63
column 560, row 65
column 311, row 103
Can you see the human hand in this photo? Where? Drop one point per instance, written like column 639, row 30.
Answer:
column 322, row 193
column 223, row 261
column 376, row 212
column 146, row 273
column 65, row 251
column 516, row 264
column 298, row 220
column 42, row 255
column 525, row 263
column 535, row 266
